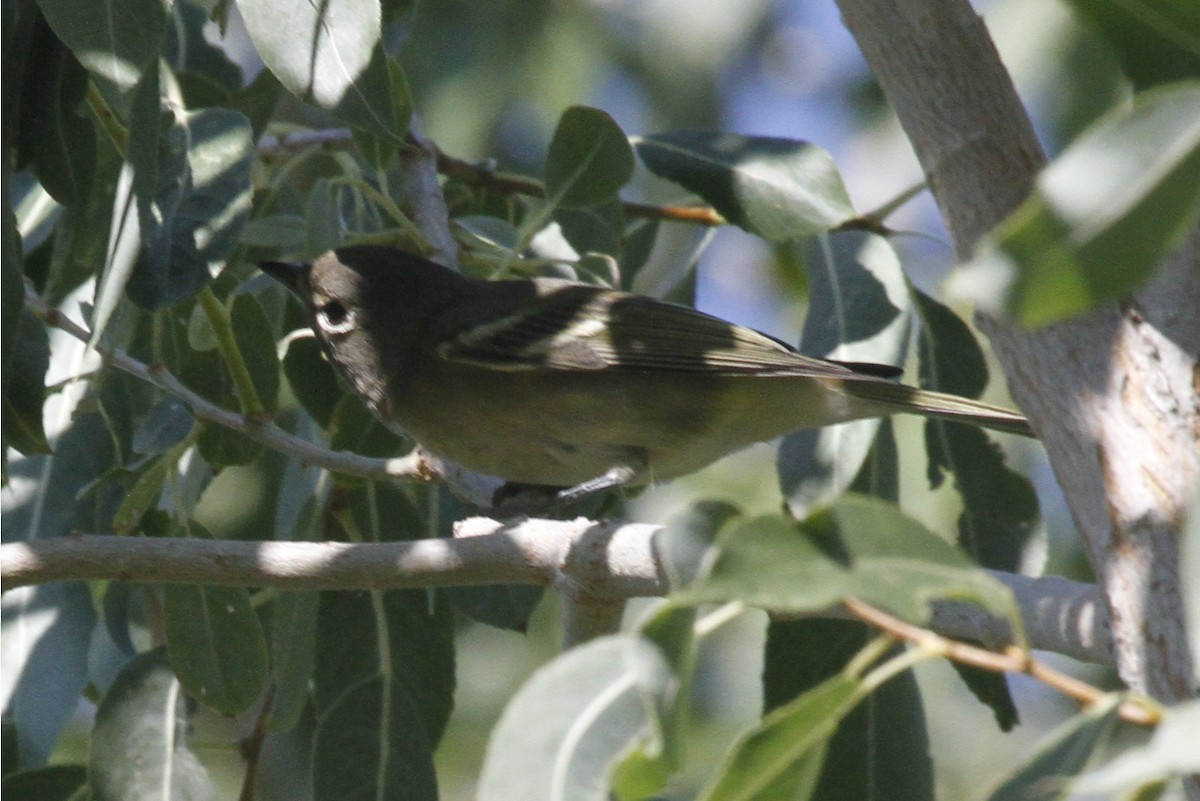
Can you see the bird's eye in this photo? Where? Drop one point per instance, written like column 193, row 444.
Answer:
column 334, row 318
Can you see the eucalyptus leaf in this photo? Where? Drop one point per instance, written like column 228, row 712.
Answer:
column 293, row 652
column 282, row 232
column 323, row 225
column 216, row 644
column 859, row 311
column 192, row 201
column 857, row 548
column 25, row 386
column 371, row 743
column 255, row 340
column 60, row 143
column 1000, row 508
column 593, row 229
column 312, row 379
column 114, row 39
column 139, row 747
column 330, row 55
column 782, row 756
column 880, row 749
column 141, row 497
column 416, row 651
column 46, row 630
column 1169, row 752
column 168, row 422
column 1060, row 757
column 780, row 189
column 1157, row 41
column 53, row 783
column 1101, row 216
column 589, row 159
column 561, row 734
column 12, row 288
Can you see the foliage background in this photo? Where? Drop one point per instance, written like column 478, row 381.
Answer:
column 490, row 81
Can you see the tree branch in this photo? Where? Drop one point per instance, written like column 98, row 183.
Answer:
column 597, row 564
column 1012, row 660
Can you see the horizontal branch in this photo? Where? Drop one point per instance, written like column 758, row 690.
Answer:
column 601, row 562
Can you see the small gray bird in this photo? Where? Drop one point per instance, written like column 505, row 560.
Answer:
column 556, row 383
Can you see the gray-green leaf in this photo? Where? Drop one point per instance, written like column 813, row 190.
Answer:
column 777, row 188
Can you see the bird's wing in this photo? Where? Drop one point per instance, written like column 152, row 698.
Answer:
column 575, row 327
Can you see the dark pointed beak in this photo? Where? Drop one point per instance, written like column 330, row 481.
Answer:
column 293, row 276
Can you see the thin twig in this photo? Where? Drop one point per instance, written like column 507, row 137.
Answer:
column 415, row 466
column 1143, row 711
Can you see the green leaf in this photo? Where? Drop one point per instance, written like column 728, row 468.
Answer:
column 330, row 55
column 142, row 496
column 589, row 159
column 415, row 636
column 114, row 39
column 60, row 143
column 991, row 689
column 25, row 386
column 503, row 606
column 55, row 783
column 1157, row 41
column 312, row 379
column 216, row 644
column 859, row 311
column 197, row 63
column 371, row 743
column 380, row 152
column 562, row 733
column 353, row 428
column 256, row 341
column 323, row 227
column 1060, row 757
column 281, row 232
column 593, row 229
column 879, row 476
column 859, row 547
column 12, row 290
column 1101, row 217
column 1000, row 509
column 139, row 745
column 46, row 631
column 880, row 750
column 193, row 196
column 293, row 651
column 782, row 756
column 167, row 424
column 648, row 769
column 1171, row 751
column 780, row 189
column 80, row 244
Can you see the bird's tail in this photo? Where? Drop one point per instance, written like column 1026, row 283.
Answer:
column 941, row 405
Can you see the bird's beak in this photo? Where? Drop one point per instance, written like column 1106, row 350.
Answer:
column 293, row 276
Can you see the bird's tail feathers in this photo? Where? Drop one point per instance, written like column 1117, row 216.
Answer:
column 941, row 405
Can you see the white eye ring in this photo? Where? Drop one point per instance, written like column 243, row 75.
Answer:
column 334, row 318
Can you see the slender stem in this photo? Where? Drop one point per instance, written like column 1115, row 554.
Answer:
column 218, row 318
column 1137, row 709
column 108, row 121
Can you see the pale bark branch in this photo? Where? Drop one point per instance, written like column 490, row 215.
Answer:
column 597, row 566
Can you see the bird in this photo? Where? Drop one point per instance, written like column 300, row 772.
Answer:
column 573, row 386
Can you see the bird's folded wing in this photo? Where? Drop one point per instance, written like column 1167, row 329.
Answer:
column 580, row 328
